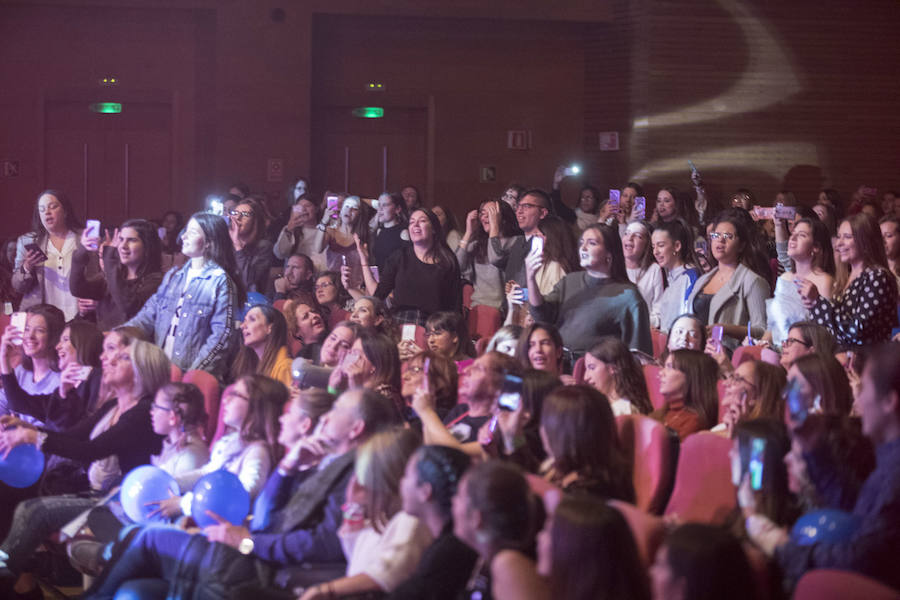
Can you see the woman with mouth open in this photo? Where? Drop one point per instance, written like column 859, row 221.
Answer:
column 424, row 277
column 587, row 305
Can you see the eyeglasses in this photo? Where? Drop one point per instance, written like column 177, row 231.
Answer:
column 736, row 379
column 415, row 370
column 244, row 214
column 528, row 205
column 792, row 340
column 158, row 407
column 323, row 285
column 715, row 235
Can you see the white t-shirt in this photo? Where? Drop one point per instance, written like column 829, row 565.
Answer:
column 169, row 344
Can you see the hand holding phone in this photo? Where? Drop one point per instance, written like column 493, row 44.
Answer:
column 755, row 466
column 510, row 398
column 36, row 251
column 640, row 208
column 408, row 333
column 18, row 320
column 537, row 245
column 718, row 331
column 614, row 199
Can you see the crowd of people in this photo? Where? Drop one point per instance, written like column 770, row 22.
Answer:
column 393, row 447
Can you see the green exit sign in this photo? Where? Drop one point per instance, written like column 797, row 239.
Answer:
column 368, row 112
column 106, row 108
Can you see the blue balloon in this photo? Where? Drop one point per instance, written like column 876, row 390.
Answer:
column 826, row 525
column 222, row 493
column 142, row 488
column 22, row 467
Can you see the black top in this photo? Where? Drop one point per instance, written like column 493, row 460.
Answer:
column 131, row 438
column 701, row 306
column 462, row 426
column 428, row 288
column 57, row 413
column 387, row 241
column 253, row 262
column 442, row 572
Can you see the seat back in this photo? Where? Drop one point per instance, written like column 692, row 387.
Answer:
column 651, row 377
column 831, row 584
column 484, row 321
column 279, row 305
column 653, row 452
column 209, row 386
column 703, row 490
column 659, row 342
column 176, row 373
column 648, row 530
column 467, row 291
column 745, row 353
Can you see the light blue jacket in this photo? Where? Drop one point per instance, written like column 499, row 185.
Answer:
column 206, row 337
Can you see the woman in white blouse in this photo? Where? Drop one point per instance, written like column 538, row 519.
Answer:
column 44, row 256
column 382, row 543
column 643, row 271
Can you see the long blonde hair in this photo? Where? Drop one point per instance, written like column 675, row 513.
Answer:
column 380, row 464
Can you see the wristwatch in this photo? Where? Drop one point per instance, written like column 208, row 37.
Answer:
column 246, row 546
column 321, row 226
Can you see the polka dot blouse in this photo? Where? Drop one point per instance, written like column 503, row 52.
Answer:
column 864, row 313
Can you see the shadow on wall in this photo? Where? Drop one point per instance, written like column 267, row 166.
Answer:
column 800, row 179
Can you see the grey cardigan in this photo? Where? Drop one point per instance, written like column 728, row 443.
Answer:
column 741, row 299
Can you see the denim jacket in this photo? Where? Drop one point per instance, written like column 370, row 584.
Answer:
column 206, row 337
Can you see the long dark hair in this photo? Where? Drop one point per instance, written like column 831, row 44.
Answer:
column 381, row 351
column 821, row 238
column 267, row 400
column 581, row 433
column 149, row 237
column 219, row 249
column 753, row 254
column 439, row 252
column 678, row 230
column 88, row 342
column 509, row 227
column 869, row 244
column 595, row 556
column 613, row 245
column 683, row 207
column 247, row 360
column 627, row 371
column 711, row 562
column 559, row 243
column 525, row 340
column 72, row 221
column 774, row 500
column 700, row 393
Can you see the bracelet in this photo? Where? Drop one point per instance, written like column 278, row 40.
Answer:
column 321, row 227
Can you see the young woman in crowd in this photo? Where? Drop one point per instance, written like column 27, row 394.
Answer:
column 429, row 483
column 731, row 294
column 264, row 345
column 372, row 313
column 442, row 381
column 338, row 243
column 687, row 333
column 132, row 263
column 753, row 391
column 560, row 253
column 331, row 295
column 423, row 277
column 702, row 562
column 492, row 219
column 338, row 343
column 447, row 336
column 411, row 197
column 688, row 384
column 252, row 251
column 642, row 268
column 598, row 301
column 588, row 209
column 449, row 226
column 373, row 363
column 113, row 440
column 39, row 371
column 383, row 544
column 580, row 437
column 540, row 347
column 806, row 337
column 631, row 191
column 673, row 249
column 170, row 238
column 809, row 249
column 611, row 369
column 250, row 411
column 191, row 315
column 299, row 235
column 388, row 228
column 494, row 513
column 586, row 552
column 673, row 204
column 863, row 307
column 307, row 326
column 44, row 256
column 178, row 414
column 823, row 384
column 890, row 233
column 505, row 340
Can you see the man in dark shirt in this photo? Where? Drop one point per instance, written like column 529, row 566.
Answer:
column 533, row 207
column 296, row 521
column 299, row 274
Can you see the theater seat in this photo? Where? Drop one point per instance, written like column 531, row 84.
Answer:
column 703, row 491
column 831, row 584
column 744, row 353
column 279, row 305
column 659, row 342
column 653, row 451
column 211, row 396
column 484, row 321
column 651, row 377
column 648, row 530
column 176, row 373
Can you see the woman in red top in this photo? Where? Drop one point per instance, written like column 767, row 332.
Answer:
column 688, row 383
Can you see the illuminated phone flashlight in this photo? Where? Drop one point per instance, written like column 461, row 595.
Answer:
column 215, row 205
